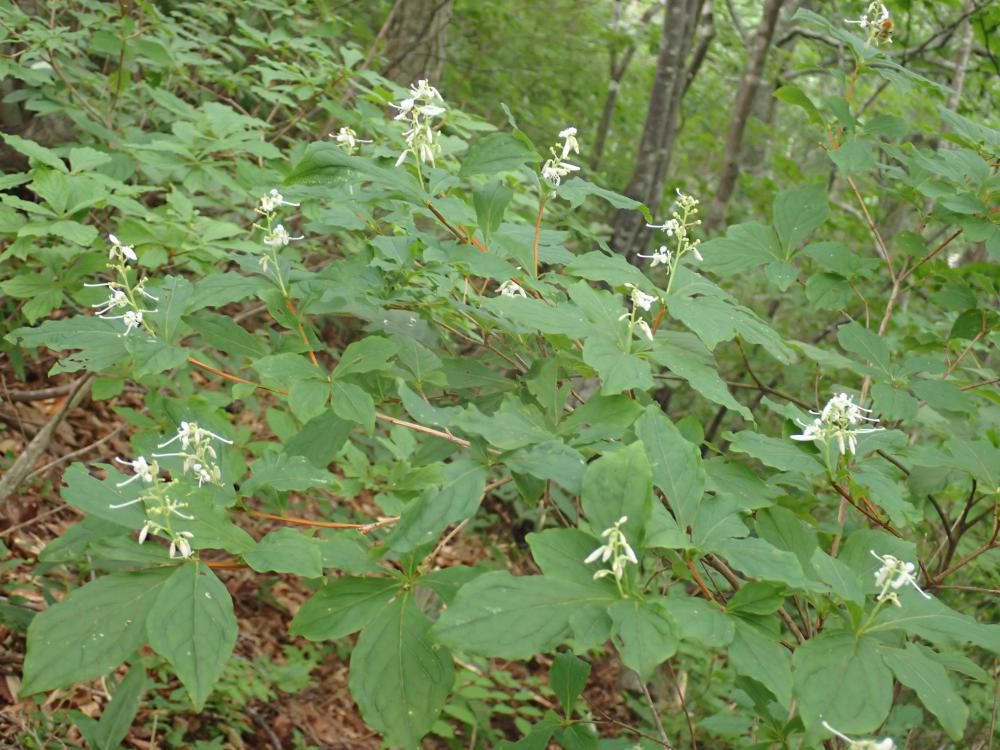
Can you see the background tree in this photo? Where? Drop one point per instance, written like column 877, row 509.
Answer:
column 416, row 40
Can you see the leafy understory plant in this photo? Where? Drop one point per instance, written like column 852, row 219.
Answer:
column 442, row 353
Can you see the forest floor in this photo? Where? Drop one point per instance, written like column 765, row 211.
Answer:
column 317, row 711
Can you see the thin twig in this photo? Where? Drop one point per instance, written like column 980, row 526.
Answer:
column 656, row 716
column 74, row 454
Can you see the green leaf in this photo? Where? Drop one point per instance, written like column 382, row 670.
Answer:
column 795, row 96
column 286, row 551
column 193, row 627
column 307, row 398
column 855, row 156
column 281, row 369
column 100, row 342
column 94, row 630
column 497, row 152
column 619, row 483
column 552, row 460
column 760, row 559
column 221, row 332
column 841, row 679
column 935, row 622
column 370, row 354
column 351, row 402
column 175, row 294
column 619, row 371
column 797, row 213
column 456, row 499
column 675, row 463
column 568, row 678
column 342, row 607
column 757, row 598
column 515, row 618
column 399, row 677
column 283, row 472
column 610, row 269
column 929, row 680
column 755, row 655
column 96, row 497
column 684, row 355
column 575, row 190
column 894, row 403
column 780, row 454
column 327, row 163
column 560, row 554
column 700, row 621
column 119, row 714
column 85, row 159
column 34, row 151
column 644, row 634
column 745, row 246
column 839, row 577
column 491, row 202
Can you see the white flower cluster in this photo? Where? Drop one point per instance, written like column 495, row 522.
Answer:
column 511, row 288
column 557, row 167
column 678, row 227
column 348, row 140
column 199, row 459
column 840, row 418
column 883, row 744
column 640, row 301
column 894, row 574
column 876, row 22
column 124, row 296
column 617, row 550
column 275, row 235
column 418, row 110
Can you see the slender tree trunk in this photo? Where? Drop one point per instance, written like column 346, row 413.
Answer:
column 416, row 39
column 741, row 111
column 630, row 235
column 618, row 65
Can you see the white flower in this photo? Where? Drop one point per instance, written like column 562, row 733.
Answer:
column 840, row 418
column 143, row 470
column 118, row 298
column 418, row 109
column 660, row 256
column 197, row 451
column 511, row 288
column 954, row 259
column 876, row 21
column 180, row 546
column 271, row 201
column 884, row 744
column 617, row 550
column 894, row 574
column 644, row 328
column 555, row 169
column 570, row 143
column 348, row 139
column 279, row 237
column 670, row 226
column 119, row 251
column 640, row 299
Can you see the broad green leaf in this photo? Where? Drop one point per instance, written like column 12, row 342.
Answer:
column 99, row 341
column 515, row 618
column 685, row 355
column 855, row 156
column 755, row 655
column 894, row 404
column 785, row 455
column 307, row 398
column 34, row 151
column 644, row 634
column 929, row 680
column 118, row 715
column 795, row 96
column 798, row 212
column 842, row 679
column 980, row 458
column 175, row 294
column 619, row 371
column 868, row 345
column 675, row 463
column 744, row 247
column 342, row 607
column 399, row 676
column 328, row 164
column 757, row 598
column 94, row 630
column 760, row 559
column 514, row 425
column 552, row 460
column 221, row 332
column 700, row 621
column 575, row 190
column 662, row 530
column 96, row 497
column 936, row 622
column 560, row 554
column 619, row 484
column 840, row 578
column 497, row 152
column 286, row 551
column 351, row 402
column 370, row 354
column 192, row 626
column 491, row 202
column 280, row 369
column 283, row 472
column 456, row 499
column 567, row 678
column 611, row 269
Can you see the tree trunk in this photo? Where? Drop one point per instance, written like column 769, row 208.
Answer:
column 618, row 64
column 630, row 235
column 741, row 112
column 416, row 39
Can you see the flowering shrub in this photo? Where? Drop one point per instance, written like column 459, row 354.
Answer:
column 427, row 331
